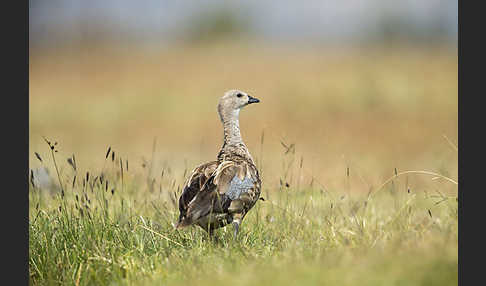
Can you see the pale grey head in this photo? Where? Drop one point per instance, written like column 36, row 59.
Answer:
column 232, row 102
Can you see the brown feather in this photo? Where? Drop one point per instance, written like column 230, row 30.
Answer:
column 204, row 195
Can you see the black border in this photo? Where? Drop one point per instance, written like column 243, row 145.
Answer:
column 470, row 205
column 15, row 115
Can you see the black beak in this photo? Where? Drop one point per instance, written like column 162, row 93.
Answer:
column 252, row 100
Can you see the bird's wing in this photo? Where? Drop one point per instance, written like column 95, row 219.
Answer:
column 238, row 184
column 199, row 176
column 233, row 187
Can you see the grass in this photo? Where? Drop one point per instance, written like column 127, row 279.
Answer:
column 103, row 231
column 357, row 150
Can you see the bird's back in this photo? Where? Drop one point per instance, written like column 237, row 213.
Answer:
column 219, row 192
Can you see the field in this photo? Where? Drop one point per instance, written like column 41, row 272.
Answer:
column 357, row 149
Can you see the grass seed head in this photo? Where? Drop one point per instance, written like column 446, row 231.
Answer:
column 38, row 156
column 32, row 178
column 70, row 161
column 108, row 152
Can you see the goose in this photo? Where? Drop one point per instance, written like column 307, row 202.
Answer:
column 221, row 192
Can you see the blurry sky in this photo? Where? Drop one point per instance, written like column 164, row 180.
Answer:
column 62, row 21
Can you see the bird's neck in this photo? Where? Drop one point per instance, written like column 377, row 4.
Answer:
column 233, row 143
column 231, row 128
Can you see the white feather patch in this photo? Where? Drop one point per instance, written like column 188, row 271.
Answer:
column 238, row 186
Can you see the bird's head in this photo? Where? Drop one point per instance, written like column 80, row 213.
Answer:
column 233, row 101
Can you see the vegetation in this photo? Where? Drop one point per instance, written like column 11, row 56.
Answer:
column 356, row 149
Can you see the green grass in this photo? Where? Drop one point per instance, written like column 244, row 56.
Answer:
column 304, row 235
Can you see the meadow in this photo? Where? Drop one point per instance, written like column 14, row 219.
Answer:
column 357, row 149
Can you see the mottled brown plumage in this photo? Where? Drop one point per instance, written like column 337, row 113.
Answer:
column 223, row 191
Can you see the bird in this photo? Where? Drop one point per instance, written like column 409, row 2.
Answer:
column 221, row 192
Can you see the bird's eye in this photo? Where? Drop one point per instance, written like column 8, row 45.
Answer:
column 239, row 95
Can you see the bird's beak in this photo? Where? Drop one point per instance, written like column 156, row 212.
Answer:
column 252, row 100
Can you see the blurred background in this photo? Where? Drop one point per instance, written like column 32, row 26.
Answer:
column 365, row 86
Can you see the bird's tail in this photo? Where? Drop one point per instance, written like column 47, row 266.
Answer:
column 182, row 223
